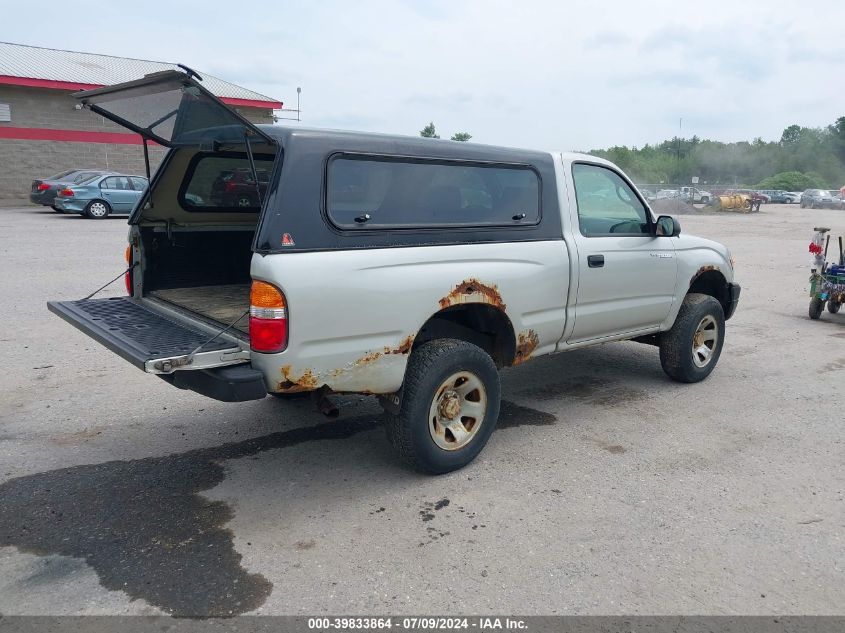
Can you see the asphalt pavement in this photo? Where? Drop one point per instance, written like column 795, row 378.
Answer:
column 607, row 489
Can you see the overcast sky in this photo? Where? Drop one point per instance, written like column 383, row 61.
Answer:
column 541, row 74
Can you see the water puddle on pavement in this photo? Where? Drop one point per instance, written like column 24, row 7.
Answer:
column 145, row 529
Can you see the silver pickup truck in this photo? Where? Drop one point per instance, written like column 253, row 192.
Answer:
column 274, row 260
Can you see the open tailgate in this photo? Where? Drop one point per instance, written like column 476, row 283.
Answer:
column 149, row 339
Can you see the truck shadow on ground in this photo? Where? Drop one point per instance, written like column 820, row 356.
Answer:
column 145, row 529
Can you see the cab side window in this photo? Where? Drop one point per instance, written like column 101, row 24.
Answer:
column 606, row 203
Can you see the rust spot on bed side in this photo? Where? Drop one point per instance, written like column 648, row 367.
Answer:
column 526, row 343
column 705, row 269
column 404, row 347
column 473, row 291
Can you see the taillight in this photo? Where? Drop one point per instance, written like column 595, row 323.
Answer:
column 268, row 318
column 67, row 193
column 127, row 278
column 230, row 186
column 43, row 186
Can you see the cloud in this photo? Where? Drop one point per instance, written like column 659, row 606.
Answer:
column 535, row 73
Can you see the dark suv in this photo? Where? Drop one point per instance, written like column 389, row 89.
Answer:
column 818, row 199
column 236, row 188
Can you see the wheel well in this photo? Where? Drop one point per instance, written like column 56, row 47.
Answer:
column 713, row 283
column 477, row 323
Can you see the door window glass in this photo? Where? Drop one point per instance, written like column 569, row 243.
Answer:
column 606, row 203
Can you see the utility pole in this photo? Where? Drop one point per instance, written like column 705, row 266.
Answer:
column 680, row 131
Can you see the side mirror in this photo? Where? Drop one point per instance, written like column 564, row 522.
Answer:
column 667, row 226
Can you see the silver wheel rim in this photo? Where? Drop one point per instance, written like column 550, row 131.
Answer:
column 244, row 202
column 457, row 411
column 704, row 341
column 98, row 209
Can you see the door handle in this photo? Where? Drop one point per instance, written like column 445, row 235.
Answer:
column 595, row 261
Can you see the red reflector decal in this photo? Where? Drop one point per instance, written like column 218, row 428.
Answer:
column 287, row 240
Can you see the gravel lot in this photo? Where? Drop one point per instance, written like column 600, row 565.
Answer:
column 608, row 489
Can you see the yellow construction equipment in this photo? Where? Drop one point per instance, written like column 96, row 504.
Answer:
column 737, row 203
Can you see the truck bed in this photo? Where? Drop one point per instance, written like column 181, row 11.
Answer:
column 223, row 303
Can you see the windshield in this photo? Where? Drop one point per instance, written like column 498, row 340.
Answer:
column 84, row 175
column 86, row 180
column 62, row 175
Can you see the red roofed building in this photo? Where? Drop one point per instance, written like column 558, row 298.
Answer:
column 42, row 131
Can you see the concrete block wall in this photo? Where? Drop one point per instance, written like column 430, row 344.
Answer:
column 22, row 161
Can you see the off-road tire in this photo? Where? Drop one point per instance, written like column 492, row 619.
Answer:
column 428, row 367
column 676, row 345
column 93, row 205
column 833, row 306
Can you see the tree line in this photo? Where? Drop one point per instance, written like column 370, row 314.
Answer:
column 803, row 158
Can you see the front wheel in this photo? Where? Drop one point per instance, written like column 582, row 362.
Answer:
column 816, row 308
column 691, row 349
column 97, row 210
column 450, row 406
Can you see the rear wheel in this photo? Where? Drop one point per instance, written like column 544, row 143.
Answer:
column 816, row 308
column 691, row 349
column 450, row 406
column 833, row 306
column 97, row 210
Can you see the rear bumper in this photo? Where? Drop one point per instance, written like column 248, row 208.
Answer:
column 70, row 205
column 45, row 198
column 237, row 383
column 733, row 300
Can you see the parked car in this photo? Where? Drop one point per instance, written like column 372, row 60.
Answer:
column 102, row 196
column 648, row 194
column 412, row 269
column 664, row 194
column 696, row 195
column 818, row 198
column 44, row 190
column 236, row 187
column 779, row 196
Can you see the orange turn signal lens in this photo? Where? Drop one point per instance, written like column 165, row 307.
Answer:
column 264, row 295
column 128, row 254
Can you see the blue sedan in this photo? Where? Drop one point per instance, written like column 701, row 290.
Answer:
column 102, row 196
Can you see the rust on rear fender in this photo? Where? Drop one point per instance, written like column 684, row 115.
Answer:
column 404, row 347
column 526, row 343
column 310, row 380
column 473, row 291
column 291, row 384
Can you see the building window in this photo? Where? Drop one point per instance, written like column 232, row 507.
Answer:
column 5, row 112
